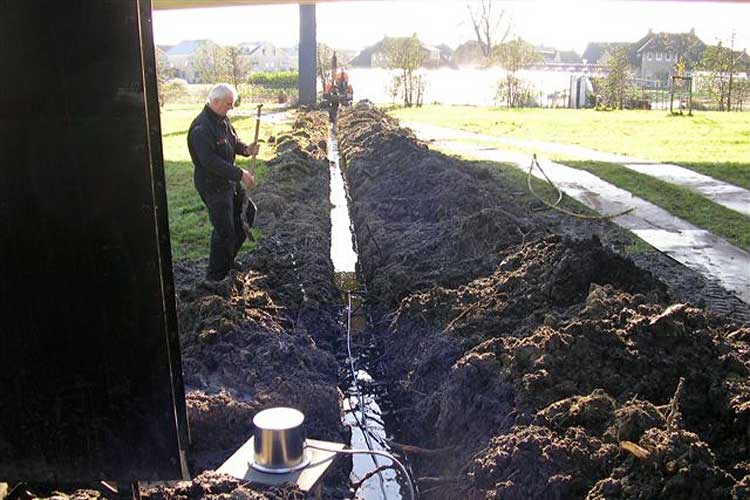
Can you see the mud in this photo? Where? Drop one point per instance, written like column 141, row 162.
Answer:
column 208, row 485
column 529, row 362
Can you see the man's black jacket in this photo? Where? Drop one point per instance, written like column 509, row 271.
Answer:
column 213, row 143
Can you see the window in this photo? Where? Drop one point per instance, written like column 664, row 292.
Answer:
column 649, row 55
column 658, row 56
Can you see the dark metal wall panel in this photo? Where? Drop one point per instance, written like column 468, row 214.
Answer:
column 162, row 219
column 89, row 370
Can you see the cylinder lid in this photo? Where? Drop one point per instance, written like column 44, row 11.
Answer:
column 278, row 419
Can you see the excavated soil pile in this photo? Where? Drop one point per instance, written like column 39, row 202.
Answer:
column 206, row 486
column 256, row 339
column 564, row 372
column 212, row 486
column 423, row 218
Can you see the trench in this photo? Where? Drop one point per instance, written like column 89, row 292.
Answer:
column 365, row 402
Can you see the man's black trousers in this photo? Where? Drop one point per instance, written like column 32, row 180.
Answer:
column 224, row 209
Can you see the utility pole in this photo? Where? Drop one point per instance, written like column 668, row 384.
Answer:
column 307, row 56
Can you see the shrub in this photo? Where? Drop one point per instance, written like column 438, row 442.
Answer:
column 275, row 79
column 172, row 90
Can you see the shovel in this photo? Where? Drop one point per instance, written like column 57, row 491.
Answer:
column 245, row 204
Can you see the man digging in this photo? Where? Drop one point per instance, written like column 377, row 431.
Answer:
column 213, row 144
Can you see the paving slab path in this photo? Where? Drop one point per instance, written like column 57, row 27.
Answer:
column 725, row 194
column 711, row 256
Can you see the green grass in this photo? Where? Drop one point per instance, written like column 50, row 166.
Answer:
column 189, row 227
column 713, row 143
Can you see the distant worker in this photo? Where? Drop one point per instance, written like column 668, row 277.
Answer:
column 337, row 91
column 213, row 144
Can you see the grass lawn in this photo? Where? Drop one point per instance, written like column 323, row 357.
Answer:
column 713, row 143
column 189, row 227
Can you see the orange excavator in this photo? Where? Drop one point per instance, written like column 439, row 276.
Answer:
column 337, row 90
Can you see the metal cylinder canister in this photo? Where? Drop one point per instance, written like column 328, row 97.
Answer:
column 279, row 440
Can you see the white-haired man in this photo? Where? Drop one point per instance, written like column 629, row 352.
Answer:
column 213, row 144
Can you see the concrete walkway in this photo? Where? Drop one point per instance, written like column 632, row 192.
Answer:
column 725, row 194
column 711, row 256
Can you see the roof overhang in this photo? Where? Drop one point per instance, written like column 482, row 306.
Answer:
column 204, row 4
column 198, row 4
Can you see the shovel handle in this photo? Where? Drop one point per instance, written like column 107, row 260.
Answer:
column 246, row 203
column 255, row 141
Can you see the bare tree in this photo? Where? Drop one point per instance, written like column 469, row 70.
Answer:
column 407, row 55
column 238, row 68
column 720, row 64
column 618, row 82
column 238, row 65
column 210, row 63
column 164, row 73
column 324, row 55
column 491, row 24
column 514, row 56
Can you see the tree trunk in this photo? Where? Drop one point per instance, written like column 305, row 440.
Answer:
column 729, row 93
column 510, row 92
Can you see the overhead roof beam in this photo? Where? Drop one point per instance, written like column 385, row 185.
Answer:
column 203, row 4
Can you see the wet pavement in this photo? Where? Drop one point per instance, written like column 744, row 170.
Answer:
column 725, row 194
column 711, row 256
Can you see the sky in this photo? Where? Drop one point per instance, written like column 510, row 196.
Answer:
column 563, row 24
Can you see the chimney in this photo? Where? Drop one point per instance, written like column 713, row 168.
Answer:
column 692, row 31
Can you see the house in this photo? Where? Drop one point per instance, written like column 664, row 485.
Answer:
column 374, row 56
column 469, row 54
column 161, row 58
column 163, row 67
column 595, row 51
column 567, row 57
column 546, row 53
column 653, row 56
column 433, row 55
column 364, row 58
column 657, row 54
column 345, row 56
column 265, row 56
column 180, row 58
column 446, row 53
column 551, row 56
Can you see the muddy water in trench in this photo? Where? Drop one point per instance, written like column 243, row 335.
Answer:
column 364, row 402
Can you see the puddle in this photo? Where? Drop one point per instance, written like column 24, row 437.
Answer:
column 364, row 397
column 342, row 242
